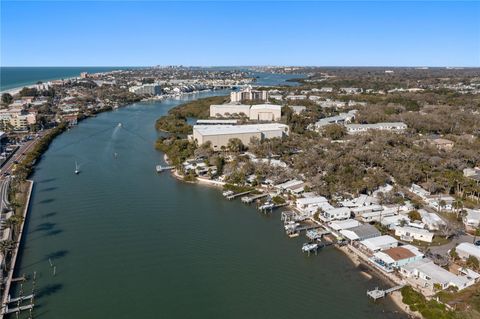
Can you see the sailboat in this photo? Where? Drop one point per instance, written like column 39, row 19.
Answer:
column 77, row 168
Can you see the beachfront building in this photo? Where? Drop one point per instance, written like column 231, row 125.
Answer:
column 408, row 233
column 257, row 112
column 390, row 259
column 376, row 244
column 429, row 274
column 465, row 250
column 471, row 218
column 248, row 94
column 220, row 135
column 390, row 126
column 359, row 233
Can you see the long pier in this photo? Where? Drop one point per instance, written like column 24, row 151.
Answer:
column 250, row 199
column 233, row 196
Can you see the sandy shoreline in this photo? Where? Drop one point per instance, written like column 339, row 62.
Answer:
column 396, row 296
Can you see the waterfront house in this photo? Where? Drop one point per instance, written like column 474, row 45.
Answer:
column 338, row 225
column 390, row 259
column 376, row 244
column 359, row 233
column 471, row 218
column 303, row 203
column 465, row 250
column 408, row 233
column 429, row 274
column 335, row 214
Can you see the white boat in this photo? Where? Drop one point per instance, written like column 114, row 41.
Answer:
column 309, row 247
column 227, row 193
column 77, row 168
column 159, row 168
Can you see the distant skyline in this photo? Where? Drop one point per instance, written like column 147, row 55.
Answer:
column 88, row 33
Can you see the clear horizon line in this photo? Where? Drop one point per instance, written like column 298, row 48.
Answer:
column 245, row 65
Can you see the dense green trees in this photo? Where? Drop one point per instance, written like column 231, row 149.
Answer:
column 7, row 98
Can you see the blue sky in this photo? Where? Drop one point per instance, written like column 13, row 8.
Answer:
column 109, row 33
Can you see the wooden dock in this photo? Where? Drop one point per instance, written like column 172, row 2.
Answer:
column 378, row 293
column 233, row 196
column 250, row 199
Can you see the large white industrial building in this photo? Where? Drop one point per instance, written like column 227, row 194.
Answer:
column 219, row 135
column 258, row 112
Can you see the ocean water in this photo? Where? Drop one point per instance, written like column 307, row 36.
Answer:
column 13, row 77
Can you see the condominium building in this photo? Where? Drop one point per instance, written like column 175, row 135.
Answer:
column 16, row 119
column 248, row 94
column 146, row 89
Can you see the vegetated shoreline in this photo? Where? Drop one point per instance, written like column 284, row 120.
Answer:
column 395, row 297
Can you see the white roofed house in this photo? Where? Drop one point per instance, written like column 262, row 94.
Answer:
column 338, row 225
column 387, row 126
column 289, row 185
column 431, row 220
column 465, row 250
column 419, row 191
column 393, row 221
column 429, row 274
column 360, row 201
column 376, row 244
column 310, row 201
column 335, row 214
column 471, row 218
column 408, row 233
column 441, row 202
column 377, row 216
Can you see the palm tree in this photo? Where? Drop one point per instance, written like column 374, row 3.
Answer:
column 14, row 221
column 5, row 247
